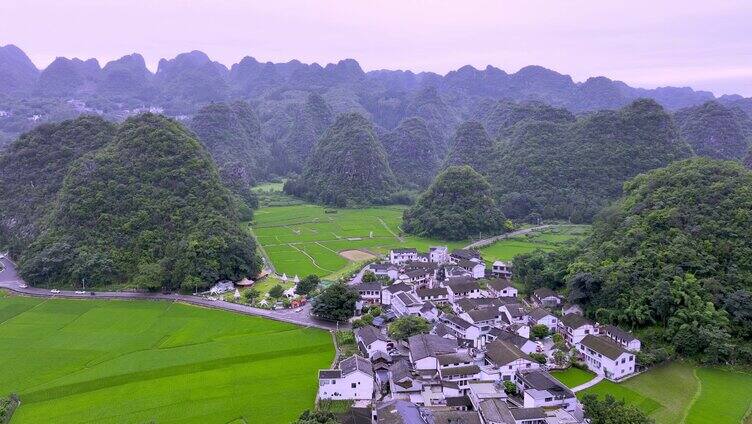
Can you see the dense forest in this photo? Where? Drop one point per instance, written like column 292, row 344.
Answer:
column 348, row 167
column 458, row 204
column 141, row 204
column 672, row 256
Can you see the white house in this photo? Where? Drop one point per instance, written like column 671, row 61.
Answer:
column 508, row 359
column 370, row 340
column 575, row 327
column 626, row 339
column 405, row 303
column 438, row 254
column 463, row 329
column 465, row 254
column 461, row 288
column 541, row 390
column 416, row 277
column 571, row 308
column 540, row 316
column 352, row 380
column 605, row 357
column 498, row 411
column 400, row 256
column 384, row 270
column 369, row 292
column 438, row 295
column 476, row 268
column 458, row 368
column 454, row 272
column 388, row 293
column 501, row 287
column 501, row 269
column 222, row 287
column 515, row 313
column 546, row 297
column 426, row 348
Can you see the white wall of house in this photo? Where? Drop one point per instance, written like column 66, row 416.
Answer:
column 575, row 335
column 507, row 371
column 376, row 346
column 538, row 398
column 356, row 385
column 612, row 369
column 549, row 321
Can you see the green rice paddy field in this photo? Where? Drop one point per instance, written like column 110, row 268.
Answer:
column 74, row 361
column 305, row 239
column 679, row 392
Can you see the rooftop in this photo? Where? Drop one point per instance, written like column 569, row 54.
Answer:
column 426, row 345
column 502, row 352
column 604, row 346
column 356, row 363
column 575, row 321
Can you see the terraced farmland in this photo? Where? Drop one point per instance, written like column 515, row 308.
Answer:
column 548, row 239
column 77, row 361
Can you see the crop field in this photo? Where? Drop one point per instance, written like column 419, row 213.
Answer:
column 85, row 361
column 683, row 393
column 548, row 239
column 308, row 239
column 573, row 377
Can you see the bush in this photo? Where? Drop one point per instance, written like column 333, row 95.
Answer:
column 539, row 331
column 510, row 388
column 277, row 291
column 539, row 358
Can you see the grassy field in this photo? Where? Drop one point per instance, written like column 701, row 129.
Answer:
column 305, row 239
column 77, row 361
column 683, row 393
column 548, row 239
column 573, row 377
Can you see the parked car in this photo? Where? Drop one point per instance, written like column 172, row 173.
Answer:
column 23, row 286
column 80, row 292
column 55, row 291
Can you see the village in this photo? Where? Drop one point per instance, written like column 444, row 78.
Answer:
column 489, row 352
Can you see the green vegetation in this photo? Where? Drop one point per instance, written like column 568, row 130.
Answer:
column 675, row 253
column 573, row 377
column 348, row 167
column 335, row 303
column 549, row 239
column 32, row 171
column 459, row 204
column 147, row 210
column 307, row 239
column 306, row 125
column 610, row 411
column 681, row 392
column 500, row 118
column 471, row 146
column 563, row 170
column 77, row 361
column 715, row 131
column 413, row 155
column 409, row 325
column 232, row 134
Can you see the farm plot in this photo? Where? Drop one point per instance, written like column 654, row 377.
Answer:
column 308, row 239
column 549, row 239
column 77, row 361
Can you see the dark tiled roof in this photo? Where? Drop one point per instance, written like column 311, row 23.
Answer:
column 463, row 370
column 454, row 358
column 435, row 292
column 326, row 374
column 416, row 273
column 539, row 313
column 618, row 333
column 454, row 417
column 369, row 334
column 370, row 286
column 408, row 299
column 462, row 285
column 398, row 412
column 520, row 414
column 499, row 283
column 603, row 345
column 508, row 336
column 457, row 321
column 541, row 380
column 575, row 321
column 354, row 363
column 405, row 250
column 356, row 416
column 440, row 329
column 515, row 310
column 465, row 254
column 427, row 306
column 398, row 287
column 425, row 345
column 503, row 352
column 485, row 314
column 459, row 401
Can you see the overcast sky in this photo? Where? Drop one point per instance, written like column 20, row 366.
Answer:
column 703, row 44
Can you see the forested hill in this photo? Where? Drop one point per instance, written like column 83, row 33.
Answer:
column 570, row 170
column 715, row 130
column 674, row 255
column 139, row 204
column 188, row 82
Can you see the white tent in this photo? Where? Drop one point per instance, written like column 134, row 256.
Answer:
column 237, row 294
column 296, row 279
column 284, row 277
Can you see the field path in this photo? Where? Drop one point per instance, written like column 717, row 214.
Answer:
column 597, row 379
column 401, row 240
column 313, row 261
column 494, row 239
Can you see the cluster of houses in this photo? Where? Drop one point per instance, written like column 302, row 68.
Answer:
column 475, row 364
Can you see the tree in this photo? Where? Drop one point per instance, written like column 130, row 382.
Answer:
column 277, row 291
column 560, row 358
column 408, row 325
column 539, row 358
column 369, row 277
column 335, row 303
column 509, row 387
column 540, row 331
column 317, row 416
column 611, row 411
column 459, row 204
column 307, row 284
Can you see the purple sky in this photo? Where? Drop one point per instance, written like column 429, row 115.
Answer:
column 703, row 44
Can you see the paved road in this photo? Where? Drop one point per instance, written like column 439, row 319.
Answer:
column 9, row 279
column 490, row 240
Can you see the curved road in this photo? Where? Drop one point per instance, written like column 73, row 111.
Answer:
column 10, row 280
column 490, row 240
